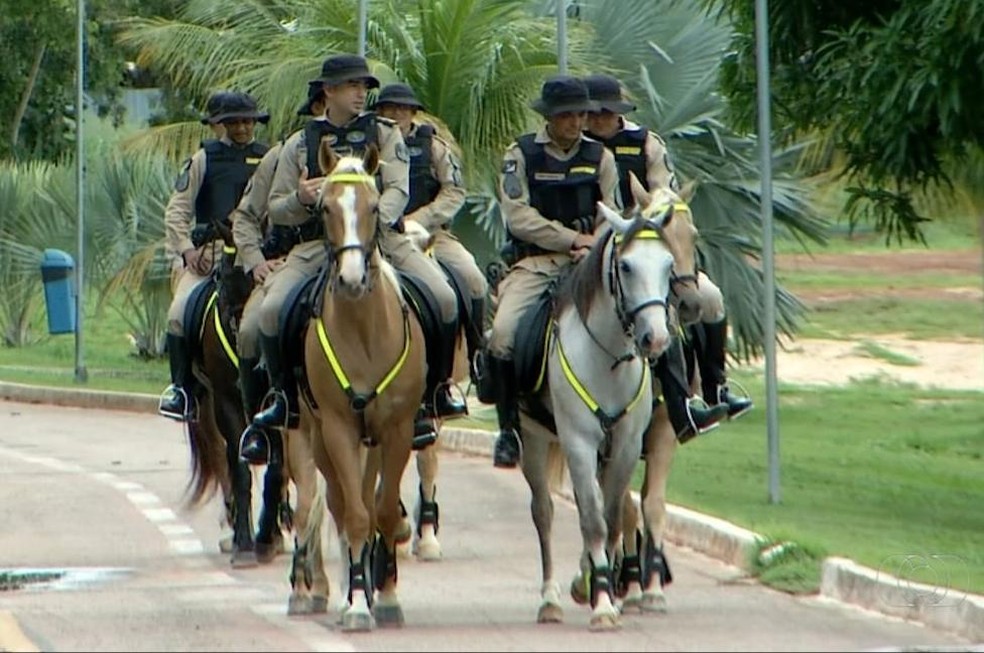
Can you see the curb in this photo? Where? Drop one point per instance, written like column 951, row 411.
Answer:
column 842, row 579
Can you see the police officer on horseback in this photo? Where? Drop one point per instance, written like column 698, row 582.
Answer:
column 550, row 184
column 345, row 80
column 206, row 192
column 642, row 152
column 436, row 196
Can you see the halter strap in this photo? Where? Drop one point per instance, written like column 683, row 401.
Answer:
column 607, row 421
column 358, row 400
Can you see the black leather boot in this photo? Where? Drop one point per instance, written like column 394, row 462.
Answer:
column 475, row 336
column 445, row 405
column 178, row 399
column 256, row 444
column 687, row 416
column 714, row 381
column 424, row 430
column 508, row 445
column 282, row 411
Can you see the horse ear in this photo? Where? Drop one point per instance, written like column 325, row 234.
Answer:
column 327, row 159
column 370, row 160
column 642, row 197
column 618, row 223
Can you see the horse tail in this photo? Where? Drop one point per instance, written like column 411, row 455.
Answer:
column 208, row 466
column 311, row 534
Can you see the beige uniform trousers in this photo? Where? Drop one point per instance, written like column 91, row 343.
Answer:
column 519, row 290
column 184, row 281
column 449, row 250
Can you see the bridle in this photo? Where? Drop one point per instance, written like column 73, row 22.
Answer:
column 333, row 252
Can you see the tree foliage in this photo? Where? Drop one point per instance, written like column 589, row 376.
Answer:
column 894, row 84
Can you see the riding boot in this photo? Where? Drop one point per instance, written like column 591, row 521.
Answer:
column 424, row 429
column 255, row 442
column 282, row 412
column 475, row 336
column 445, row 405
column 177, row 400
column 713, row 380
column 687, row 416
column 508, row 446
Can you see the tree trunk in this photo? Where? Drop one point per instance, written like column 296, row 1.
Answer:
column 26, row 97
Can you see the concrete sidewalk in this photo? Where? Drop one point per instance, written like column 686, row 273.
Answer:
column 843, row 580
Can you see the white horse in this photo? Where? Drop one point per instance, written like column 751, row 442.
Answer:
column 610, row 319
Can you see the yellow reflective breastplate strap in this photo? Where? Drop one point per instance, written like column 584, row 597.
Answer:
column 213, row 307
column 607, row 421
column 359, row 401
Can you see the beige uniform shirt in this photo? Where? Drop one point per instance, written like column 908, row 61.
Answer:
column 659, row 169
column 525, row 222
column 179, row 216
column 446, row 169
column 248, row 226
column 286, row 208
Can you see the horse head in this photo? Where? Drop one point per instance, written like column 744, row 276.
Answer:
column 682, row 235
column 348, row 203
column 639, row 270
column 234, row 285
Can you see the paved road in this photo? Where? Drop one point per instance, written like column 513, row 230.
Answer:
column 99, row 493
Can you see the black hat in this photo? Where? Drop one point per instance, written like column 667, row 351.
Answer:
column 315, row 87
column 562, row 93
column 233, row 104
column 398, row 94
column 607, row 93
column 346, row 67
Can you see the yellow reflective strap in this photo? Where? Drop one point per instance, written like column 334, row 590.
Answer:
column 208, row 306
column 547, row 339
column 351, row 178
column 332, row 359
column 573, row 380
column 644, row 234
column 229, row 249
column 642, row 388
column 226, row 345
column 401, row 360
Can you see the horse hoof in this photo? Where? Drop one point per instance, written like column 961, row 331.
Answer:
column 299, row 606
column 632, row 601
column 319, row 604
column 388, row 616
column 579, row 593
column 244, row 560
column 355, row 621
column 604, row 622
column 404, row 550
column 267, row 551
column 225, row 544
column 550, row 613
column 653, row 602
column 429, row 550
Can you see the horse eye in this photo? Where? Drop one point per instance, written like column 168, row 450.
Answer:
column 624, row 267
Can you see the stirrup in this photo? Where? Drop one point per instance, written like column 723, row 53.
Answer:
column 690, row 416
column 190, row 404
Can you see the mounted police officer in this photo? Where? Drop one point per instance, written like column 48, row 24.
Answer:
column 345, row 80
column 262, row 250
column 644, row 153
column 549, row 188
column 207, row 190
column 436, row 196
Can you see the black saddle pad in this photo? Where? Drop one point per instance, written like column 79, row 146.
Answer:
column 530, row 347
column 295, row 314
column 424, row 305
column 194, row 315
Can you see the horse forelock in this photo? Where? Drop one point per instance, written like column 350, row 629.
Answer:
column 586, row 279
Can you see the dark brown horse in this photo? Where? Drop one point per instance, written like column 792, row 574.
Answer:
column 214, row 439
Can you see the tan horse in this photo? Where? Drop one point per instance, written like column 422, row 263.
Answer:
column 660, row 441
column 364, row 361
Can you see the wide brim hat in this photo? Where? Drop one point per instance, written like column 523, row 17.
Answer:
column 606, row 92
column 314, row 93
column 561, row 94
column 233, row 104
column 398, row 94
column 342, row 68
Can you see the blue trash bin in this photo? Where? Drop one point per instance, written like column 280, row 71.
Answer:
column 57, row 268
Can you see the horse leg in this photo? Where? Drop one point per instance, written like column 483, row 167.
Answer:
column 426, row 545
column 229, row 421
column 628, row 579
column 661, row 444
column 394, row 454
column 539, row 456
column 308, row 518
column 615, row 478
column 596, row 572
column 269, row 538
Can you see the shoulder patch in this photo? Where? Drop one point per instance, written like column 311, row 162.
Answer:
column 183, row 178
column 455, row 169
column 402, row 153
column 509, row 167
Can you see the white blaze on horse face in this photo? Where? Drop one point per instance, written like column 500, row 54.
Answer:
column 351, row 262
column 646, row 265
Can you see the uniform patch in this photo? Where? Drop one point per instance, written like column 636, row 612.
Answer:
column 509, row 167
column 355, row 136
column 455, row 170
column 587, row 170
column 183, row 178
column 549, row 176
column 512, row 186
column 402, row 153
column 415, row 151
column 253, row 160
column 628, row 149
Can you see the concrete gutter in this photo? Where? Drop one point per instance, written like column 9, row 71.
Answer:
column 842, row 579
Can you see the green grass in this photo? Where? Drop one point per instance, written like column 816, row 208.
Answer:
column 916, row 318
column 867, row 471
column 952, row 233
column 874, row 350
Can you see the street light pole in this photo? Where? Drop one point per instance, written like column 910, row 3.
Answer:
column 768, row 255
column 562, row 36
column 362, row 27
column 81, row 374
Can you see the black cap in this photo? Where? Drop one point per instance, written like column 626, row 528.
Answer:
column 607, row 93
column 398, row 94
column 315, row 87
column 233, row 104
column 346, row 67
column 562, row 93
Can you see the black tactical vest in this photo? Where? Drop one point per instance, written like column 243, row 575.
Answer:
column 565, row 191
column 629, row 148
column 227, row 171
column 424, row 188
column 350, row 140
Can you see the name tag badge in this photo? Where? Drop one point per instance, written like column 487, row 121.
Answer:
column 549, row 176
column 628, row 149
column 584, row 170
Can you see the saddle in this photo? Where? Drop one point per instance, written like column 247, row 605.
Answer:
column 194, row 314
column 460, row 288
column 530, row 346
